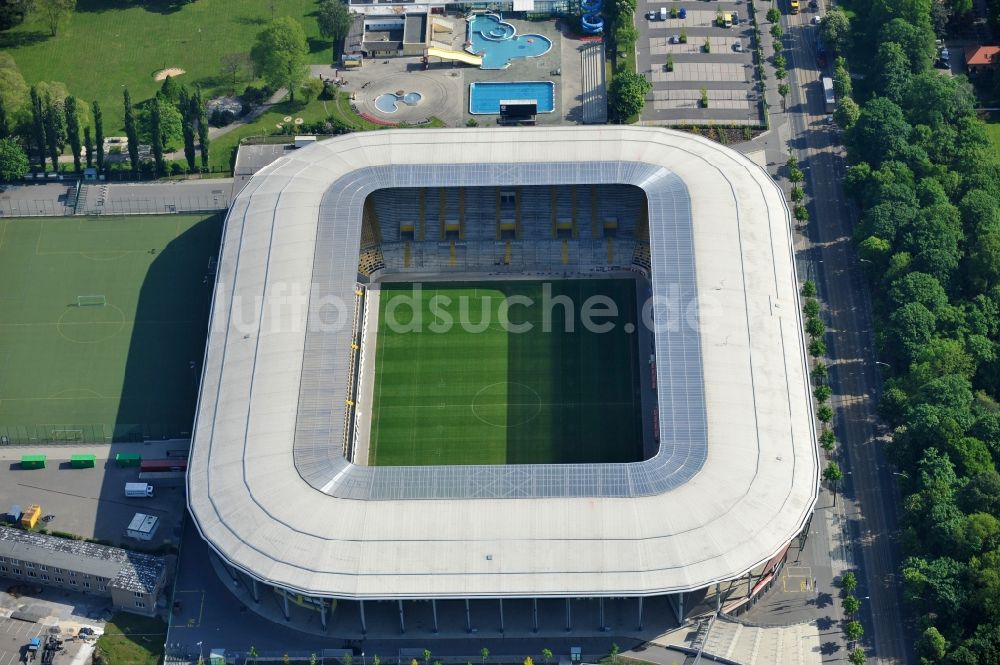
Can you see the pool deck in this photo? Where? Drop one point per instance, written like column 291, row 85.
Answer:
column 445, row 86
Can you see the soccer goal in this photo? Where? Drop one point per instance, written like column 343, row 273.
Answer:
column 91, row 301
column 66, row 435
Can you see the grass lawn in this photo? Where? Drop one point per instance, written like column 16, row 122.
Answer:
column 108, row 44
column 121, row 369
column 221, row 150
column 499, row 397
column 993, row 129
column 133, row 640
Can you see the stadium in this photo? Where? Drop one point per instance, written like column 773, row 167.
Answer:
column 484, row 365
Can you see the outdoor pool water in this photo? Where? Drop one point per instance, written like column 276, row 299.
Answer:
column 389, row 102
column 499, row 43
column 485, row 96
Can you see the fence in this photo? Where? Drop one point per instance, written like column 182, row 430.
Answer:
column 21, row 435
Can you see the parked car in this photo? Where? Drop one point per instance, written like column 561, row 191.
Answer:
column 683, row 13
column 652, row 16
column 736, row 18
column 675, row 39
column 738, row 47
column 816, row 20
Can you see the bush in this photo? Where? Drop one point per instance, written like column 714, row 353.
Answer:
column 684, row 36
column 245, row 108
column 176, row 168
column 708, row 45
column 254, row 95
column 809, row 289
column 670, row 62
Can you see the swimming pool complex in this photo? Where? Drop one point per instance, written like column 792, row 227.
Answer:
column 498, row 42
column 485, row 96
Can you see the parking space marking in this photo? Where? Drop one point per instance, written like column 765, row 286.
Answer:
column 193, row 622
column 797, row 579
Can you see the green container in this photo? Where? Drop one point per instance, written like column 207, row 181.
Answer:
column 83, row 461
column 33, row 461
column 128, row 459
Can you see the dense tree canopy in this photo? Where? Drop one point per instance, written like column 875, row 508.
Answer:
column 927, row 179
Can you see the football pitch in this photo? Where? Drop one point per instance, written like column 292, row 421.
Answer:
column 455, row 394
column 102, row 325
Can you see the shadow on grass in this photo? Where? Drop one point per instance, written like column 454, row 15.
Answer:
column 163, row 365
column 154, row 6
column 250, row 20
column 17, row 39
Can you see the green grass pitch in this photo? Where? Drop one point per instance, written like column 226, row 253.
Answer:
column 498, row 397
column 121, row 370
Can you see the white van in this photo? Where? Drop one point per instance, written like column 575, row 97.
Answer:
column 138, row 490
column 663, row 13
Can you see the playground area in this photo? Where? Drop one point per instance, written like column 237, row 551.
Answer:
column 412, row 89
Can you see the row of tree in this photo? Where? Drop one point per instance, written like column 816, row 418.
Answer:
column 47, row 120
column 927, row 180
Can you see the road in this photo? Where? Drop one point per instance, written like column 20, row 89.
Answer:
column 871, row 496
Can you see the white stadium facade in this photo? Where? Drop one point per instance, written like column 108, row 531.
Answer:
column 731, row 484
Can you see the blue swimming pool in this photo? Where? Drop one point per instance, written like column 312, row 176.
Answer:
column 485, row 96
column 499, row 43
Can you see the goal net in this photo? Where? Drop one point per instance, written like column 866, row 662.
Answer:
column 66, row 435
column 91, row 301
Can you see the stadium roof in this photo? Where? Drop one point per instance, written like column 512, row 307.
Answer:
column 737, row 471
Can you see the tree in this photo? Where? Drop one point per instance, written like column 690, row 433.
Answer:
column 614, row 653
column 819, row 372
column 817, row 348
column 916, row 39
column 932, row 644
column 827, row 440
column 38, row 126
column 815, row 326
column 824, row 413
column 55, row 127
column 528, row 660
column 546, row 655
column 88, row 146
column 842, row 86
column 851, row 605
column 853, row 630
column 198, row 108
column 187, row 131
column 55, row 12
column 822, row 393
column 893, row 73
column 776, row 32
column 625, row 36
column 801, row 214
column 73, row 130
column 857, row 656
column 131, row 132
column 783, row 90
column 849, row 582
column 773, row 15
column 809, row 289
column 484, row 653
column 796, row 194
column 171, row 124
column 427, row 656
column 234, row 65
column 628, row 95
column 311, row 88
column 13, row 160
column 835, row 30
column 811, row 308
column 279, row 55
column 881, row 132
column 13, row 12
column 13, row 91
column 156, row 136
column 99, row 134
column 334, row 22
column 847, row 113
column 253, row 654
column 832, row 474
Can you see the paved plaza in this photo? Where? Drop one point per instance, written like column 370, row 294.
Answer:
column 725, row 71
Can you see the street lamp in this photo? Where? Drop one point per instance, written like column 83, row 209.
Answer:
column 362, row 658
column 201, row 656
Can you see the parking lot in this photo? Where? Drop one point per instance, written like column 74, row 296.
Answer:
column 725, row 70
column 91, row 502
column 14, row 637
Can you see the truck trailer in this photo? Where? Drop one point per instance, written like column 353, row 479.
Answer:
column 138, row 490
column 828, row 95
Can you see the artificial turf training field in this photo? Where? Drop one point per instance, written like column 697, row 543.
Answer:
column 119, row 370
column 498, row 397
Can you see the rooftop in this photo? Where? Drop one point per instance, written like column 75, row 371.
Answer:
column 131, row 571
column 982, row 55
column 736, row 474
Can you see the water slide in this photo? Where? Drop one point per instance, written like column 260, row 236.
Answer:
column 460, row 56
